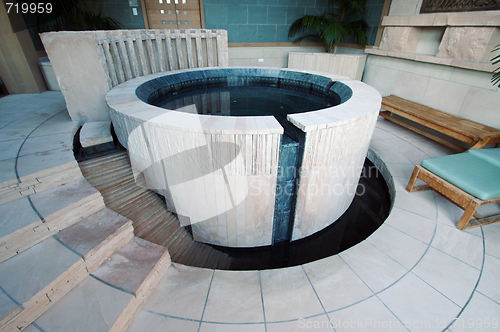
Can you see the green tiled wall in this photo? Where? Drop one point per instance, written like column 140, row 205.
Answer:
column 120, row 10
column 261, row 21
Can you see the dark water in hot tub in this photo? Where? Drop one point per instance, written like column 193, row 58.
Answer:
column 248, row 100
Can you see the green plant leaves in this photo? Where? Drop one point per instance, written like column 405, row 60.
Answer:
column 344, row 19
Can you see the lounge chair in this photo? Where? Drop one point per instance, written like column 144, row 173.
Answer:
column 468, row 179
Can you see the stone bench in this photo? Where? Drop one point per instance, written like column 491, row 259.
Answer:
column 475, row 134
column 469, row 180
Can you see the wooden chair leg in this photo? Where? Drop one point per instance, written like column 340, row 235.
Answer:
column 468, row 213
column 478, row 145
column 413, row 179
column 483, row 221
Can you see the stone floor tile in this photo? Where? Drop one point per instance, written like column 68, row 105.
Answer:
column 90, row 306
column 10, row 132
column 432, row 149
column 282, row 301
column 32, row 328
column 368, row 315
column 394, row 157
column 46, row 143
column 60, row 117
column 7, row 170
column 234, row 297
column 403, row 248
column 7, row 304
column 186, row 288
column 401, row 170
column 490, row 279
column 55, row 128
column 382, row 134
column 391, row 144
column 147, row 321
column 89, row 232
column 374, row 267
column 420, row 202
column 208, row 327
column 492, row 239
column 418, row 305
column 335, row 283
column 59, row 197
column 25, row 274
column 317, row 323
column 415, row 156
column 41, row 161
column 481, row 314
column 454, row 279
column 15, row 215
column 10, row 148
column 128, row 267
column 414, row 225
column 462, row 245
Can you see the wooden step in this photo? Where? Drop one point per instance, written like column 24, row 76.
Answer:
column 112, row 175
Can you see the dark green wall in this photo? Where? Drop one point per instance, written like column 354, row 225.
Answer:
column 260, row 21
column 120, row 10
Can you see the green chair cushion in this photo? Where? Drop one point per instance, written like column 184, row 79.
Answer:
column 471, row 174
column 490, row 155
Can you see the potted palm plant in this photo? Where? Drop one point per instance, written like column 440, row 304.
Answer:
column 74, row 15
column 344, row 19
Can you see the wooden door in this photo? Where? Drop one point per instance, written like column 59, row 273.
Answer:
column 173, row 14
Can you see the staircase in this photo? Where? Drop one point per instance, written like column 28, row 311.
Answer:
column 68, row 262
column 112, row 175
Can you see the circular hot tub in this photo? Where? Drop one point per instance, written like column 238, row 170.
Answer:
column 247, row 156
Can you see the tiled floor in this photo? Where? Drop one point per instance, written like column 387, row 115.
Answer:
column 417, row 272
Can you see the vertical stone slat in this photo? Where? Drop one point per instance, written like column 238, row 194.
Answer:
column 118, row 62
column 189, row 48
column 162, row 60
column 210, row 51
column 178, row 46
column 142, row 53
column 199, row 49
column 101, row 39
column 134, row 63
column 222, row 51
column 170, row 51
column 151, row 53
column 123, row 54
column 109, row 58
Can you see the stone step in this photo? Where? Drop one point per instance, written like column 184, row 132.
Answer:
column 37, row 182
column 37, row 278
column 49, row 212
column 96, row 136
column 112, row 295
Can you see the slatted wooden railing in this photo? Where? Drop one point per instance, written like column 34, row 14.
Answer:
column 133, row 53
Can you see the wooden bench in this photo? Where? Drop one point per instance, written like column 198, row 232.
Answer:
column 475, row 134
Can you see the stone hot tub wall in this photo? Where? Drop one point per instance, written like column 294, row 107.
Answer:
column 335, row 147
column 335, row 138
